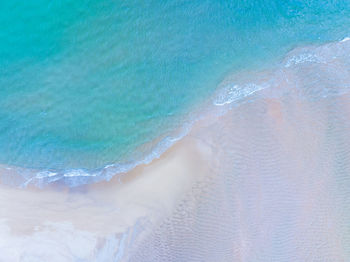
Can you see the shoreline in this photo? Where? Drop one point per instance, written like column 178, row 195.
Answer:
column 263, row 172
column 233, row 89
column 102, row 211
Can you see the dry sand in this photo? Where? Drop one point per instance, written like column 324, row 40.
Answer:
column 72, row 218
column 267, row 181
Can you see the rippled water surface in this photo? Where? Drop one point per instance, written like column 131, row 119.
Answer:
column 257, row 92
column 280, row 163
column 85, row 84
column 260, row 178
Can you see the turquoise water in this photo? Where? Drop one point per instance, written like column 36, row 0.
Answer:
column 84, row 84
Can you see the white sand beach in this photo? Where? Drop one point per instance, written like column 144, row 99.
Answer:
column 266, row 181
column 87, row 215
column 235, row 185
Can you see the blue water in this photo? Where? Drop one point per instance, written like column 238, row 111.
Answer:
column 85, row 84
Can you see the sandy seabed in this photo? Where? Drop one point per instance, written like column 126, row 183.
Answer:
column 98, row 221
column 267, row 179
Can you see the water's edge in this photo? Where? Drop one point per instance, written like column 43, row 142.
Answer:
column 234, row 89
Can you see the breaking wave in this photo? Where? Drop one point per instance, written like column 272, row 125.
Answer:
column 326, row 69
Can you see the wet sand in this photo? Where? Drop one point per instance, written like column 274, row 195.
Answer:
column 89, row 215
column 260, row 180
column 265, row 180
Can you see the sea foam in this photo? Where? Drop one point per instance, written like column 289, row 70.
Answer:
column 321, row 63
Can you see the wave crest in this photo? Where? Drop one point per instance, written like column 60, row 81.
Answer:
column 325, row 67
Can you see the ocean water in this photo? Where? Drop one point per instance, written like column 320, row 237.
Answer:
column 86, row 85
column 92, row 88
column 280, row 162
column 269, row 183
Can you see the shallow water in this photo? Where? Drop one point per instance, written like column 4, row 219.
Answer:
column 94, row 84
column 271, row 185
column 279, row 183
column 262, row 175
